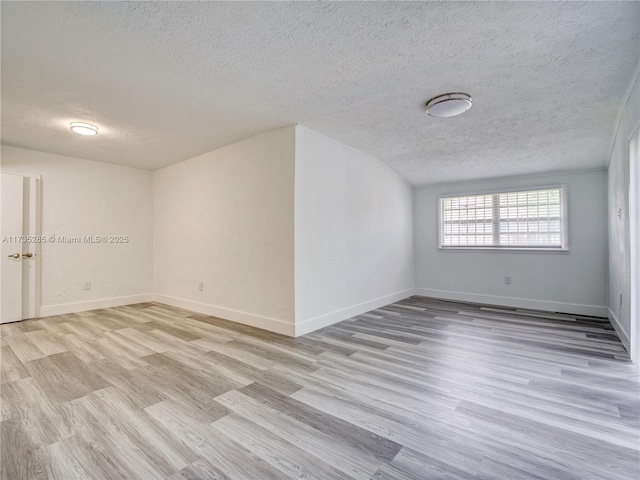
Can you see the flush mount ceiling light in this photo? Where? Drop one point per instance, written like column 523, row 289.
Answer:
column 83, row 128
column 449, row 105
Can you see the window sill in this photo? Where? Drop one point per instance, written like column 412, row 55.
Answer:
column 561, row 251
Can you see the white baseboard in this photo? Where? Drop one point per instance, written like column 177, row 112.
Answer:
column 336, row 316
column 251, row 319
column 48, row 310
column 258, row 321
column 572, row 308
column 622, row 333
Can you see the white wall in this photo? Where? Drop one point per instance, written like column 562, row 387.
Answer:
column 574, row 282
column 353, row 233
column 619, row 246
column 82, row 197
column 225, row 218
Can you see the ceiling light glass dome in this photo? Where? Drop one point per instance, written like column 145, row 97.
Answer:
column 449, row 105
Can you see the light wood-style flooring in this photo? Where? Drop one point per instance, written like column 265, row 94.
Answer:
column 420, row 389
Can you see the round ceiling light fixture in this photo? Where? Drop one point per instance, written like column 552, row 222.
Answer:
column 449, row 104
column 82, row 128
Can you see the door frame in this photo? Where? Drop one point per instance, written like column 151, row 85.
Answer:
column 634, row 243
column 32, row 281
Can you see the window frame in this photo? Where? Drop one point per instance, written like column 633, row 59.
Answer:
column 564, row 221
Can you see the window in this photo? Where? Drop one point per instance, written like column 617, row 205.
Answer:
column 526, row 219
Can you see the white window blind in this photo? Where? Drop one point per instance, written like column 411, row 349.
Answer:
column 526, row 219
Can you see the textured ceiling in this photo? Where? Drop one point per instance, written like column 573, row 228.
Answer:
column 166, row 81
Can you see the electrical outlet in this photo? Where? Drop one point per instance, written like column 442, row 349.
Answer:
column 507, row 280
column 200, row 286
column 87, row 285
column 620, row 213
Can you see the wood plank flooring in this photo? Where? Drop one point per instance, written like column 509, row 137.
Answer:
column 420, row 389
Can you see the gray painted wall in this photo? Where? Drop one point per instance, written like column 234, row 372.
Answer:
column 574, row 282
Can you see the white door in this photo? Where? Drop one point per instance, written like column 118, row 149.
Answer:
column 12, row 192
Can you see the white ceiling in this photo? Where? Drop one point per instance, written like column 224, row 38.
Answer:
column 166, row 81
